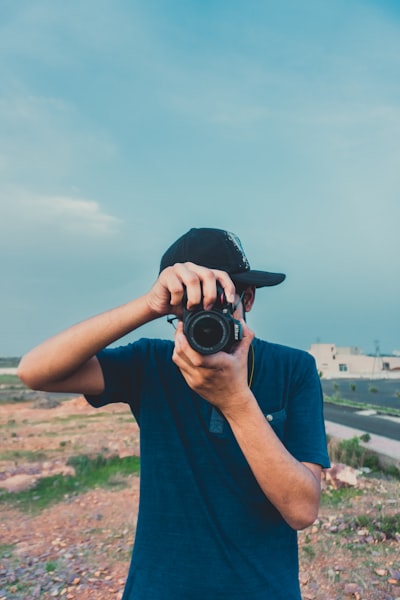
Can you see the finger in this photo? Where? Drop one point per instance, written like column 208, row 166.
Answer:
column 181, row 357
column 227, row 285
column 200, row 283
column 211, row 278
column 191, row 279
column 171, row 280
column 185, row 353
column 181, row 348
column 245, row 343
column 209, row 288
column 208, row 279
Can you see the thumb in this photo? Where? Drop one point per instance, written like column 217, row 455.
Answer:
column 248, row 334
column 247, row 338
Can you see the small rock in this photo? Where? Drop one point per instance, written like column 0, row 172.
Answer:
column 304, row 578
column 333, row 529
column 351, row 589
column 340, row 475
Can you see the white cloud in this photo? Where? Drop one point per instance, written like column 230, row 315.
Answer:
column 75, row 215
column 24, row 214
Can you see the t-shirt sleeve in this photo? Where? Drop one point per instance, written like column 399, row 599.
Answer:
column 305, row 436
column 122, row 369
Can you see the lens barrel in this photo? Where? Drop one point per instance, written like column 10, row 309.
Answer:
column 209, row 331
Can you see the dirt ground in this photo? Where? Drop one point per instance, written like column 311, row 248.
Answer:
column 80, row 548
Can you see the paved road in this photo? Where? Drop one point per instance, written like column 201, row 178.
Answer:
column 376, row 392
column 370, row 423
column 379, row 392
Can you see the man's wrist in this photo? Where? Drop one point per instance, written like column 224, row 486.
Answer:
column 240, row 405
column 153, row 311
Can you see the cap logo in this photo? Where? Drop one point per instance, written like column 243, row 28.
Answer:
column 238, row 245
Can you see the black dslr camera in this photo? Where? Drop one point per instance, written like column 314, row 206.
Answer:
column 210, row 331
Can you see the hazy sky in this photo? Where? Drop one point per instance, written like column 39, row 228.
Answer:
column 125, row 123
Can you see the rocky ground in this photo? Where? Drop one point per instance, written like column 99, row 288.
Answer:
column 80, row 547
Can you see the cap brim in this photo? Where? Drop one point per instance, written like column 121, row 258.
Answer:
column 257, row 278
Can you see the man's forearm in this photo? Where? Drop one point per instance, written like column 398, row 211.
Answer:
column 60, row 356
column 292, row 487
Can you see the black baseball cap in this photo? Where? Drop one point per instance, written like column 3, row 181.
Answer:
column 218, row 249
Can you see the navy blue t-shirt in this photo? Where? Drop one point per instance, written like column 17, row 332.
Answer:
column 205, row 529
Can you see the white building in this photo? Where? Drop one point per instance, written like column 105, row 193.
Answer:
column 334, row 361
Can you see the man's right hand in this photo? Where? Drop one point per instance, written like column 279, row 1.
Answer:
column 200, row 283
column 67, row 362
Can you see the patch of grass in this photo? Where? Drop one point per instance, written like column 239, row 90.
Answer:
column 11, row 380
column 393, row 472
column 384, row 410
column 388, row 525
column 51, row 566
column 90, row 472
column 70, row 419
column 96, row 415
column 308, row 551
column 24, row 455
column 6, row 550
column 52, row 434
column 363, row 521
column 340, row 497
column 352, row 453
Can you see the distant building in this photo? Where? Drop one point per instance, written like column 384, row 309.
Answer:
column 334, row 361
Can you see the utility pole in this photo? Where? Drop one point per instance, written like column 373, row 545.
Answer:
column 377, row 364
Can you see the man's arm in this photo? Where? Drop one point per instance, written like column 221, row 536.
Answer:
column 67, row 362
column 292, row 487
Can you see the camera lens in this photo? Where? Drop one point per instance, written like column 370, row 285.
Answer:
column 207, row 332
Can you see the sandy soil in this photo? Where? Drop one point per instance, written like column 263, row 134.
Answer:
column 85, row 542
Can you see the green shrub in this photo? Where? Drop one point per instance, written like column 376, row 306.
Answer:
column 350, row 452
column 99, row 471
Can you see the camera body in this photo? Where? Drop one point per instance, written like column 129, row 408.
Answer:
column 211, row 331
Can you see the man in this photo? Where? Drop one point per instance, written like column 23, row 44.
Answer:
column 232, row 443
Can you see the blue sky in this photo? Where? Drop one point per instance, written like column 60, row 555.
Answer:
column 124, row 124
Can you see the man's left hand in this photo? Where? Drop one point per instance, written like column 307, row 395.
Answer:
column 221, row 378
